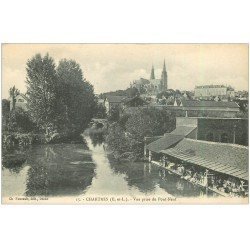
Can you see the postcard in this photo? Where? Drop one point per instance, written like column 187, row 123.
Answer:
column 125, row 124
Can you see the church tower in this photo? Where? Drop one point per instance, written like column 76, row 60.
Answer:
column 152, row 76
column 164, row 78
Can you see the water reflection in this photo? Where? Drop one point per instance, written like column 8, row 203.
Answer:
column 13, row 161
column 78, row 169
column 148, row 177
column 53, row 171
column 96, row 139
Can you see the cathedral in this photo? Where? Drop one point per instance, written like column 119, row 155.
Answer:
column 152, row 86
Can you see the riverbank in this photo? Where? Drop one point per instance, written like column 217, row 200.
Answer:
column 15, row 146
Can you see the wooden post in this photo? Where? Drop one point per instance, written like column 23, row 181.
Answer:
column 206, row 181
column 234, row 134
column 150, row 156
column 145, row 150
column 164, row 161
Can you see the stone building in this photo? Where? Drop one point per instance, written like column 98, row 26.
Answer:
column 112, row 102
column 152, row 86
column 211, row 91
column 202, row 108
column 225, row 130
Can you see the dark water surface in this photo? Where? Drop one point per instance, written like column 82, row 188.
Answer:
column 78, row 169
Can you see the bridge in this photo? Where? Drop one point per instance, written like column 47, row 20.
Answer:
column 99, row 123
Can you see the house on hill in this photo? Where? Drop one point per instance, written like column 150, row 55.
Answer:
column 21, row 102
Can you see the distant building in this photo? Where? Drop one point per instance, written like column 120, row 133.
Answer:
column 134, row 102
column 21, row 102
column 210, row 91
column 226, row 130
column 111, row 102
column 209, row 108
column 126, row 104
column 152, row 86
column 204, row 108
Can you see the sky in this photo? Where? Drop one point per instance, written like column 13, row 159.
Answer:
column 110, row 67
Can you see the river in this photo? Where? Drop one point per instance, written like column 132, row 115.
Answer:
column 61, row 170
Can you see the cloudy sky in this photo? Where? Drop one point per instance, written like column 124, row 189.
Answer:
column 113, row 66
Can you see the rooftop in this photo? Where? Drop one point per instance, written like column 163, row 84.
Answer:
column 227, row 158
column 210, row 86
column 204, row 103
column 183, row 130
column 165, row 142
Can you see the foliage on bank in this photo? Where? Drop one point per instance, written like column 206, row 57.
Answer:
column 126, row 135
column 60, row 104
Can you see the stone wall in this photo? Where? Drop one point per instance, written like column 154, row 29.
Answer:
column 223, row 130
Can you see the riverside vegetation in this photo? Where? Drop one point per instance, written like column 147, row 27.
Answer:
column 60, row 106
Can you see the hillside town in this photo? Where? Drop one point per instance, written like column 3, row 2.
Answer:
column 209, row 144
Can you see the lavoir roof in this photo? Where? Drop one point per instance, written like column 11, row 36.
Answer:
column 230, row 159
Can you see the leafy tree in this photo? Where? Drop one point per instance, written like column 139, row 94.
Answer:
column 20, row 121
column 76, row 96
column 114, row 114
column 5, row 113
column 100, row 111
column 150, row 122
column 132, row 92
column 5, row 107
column 117, row 141
column 126, row 137
column 42, row 92
column 14, row 92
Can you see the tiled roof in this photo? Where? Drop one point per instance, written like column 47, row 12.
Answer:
column 165, row 142
column 149, row 140
column 227, row 158
column 203, row 103
column 183, row 130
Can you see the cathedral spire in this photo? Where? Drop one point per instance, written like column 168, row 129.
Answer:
column 164, row 77
column 152, row 76
column 164, row 67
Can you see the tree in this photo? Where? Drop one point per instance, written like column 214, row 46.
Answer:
column 132, row 92
column 114, row 114
column 126, row 137
column 76, row 96
column 20, row 121
column 5, row 107
column 117, row 141
column 150, row 122
column 42, row 92
column 100, row 111
column 5, row 113
column 14, row 92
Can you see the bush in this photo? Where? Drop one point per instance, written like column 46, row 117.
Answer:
column 126, row 137
column 19, row 140
column 19, row 121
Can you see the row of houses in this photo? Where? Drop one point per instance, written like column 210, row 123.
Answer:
column 188, row 108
